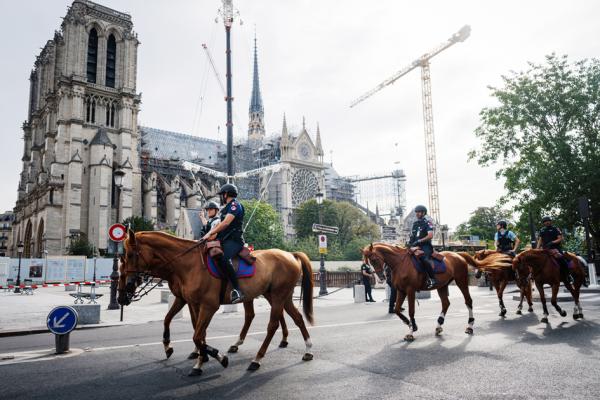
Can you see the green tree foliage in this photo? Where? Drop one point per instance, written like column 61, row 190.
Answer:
column 80, row 246
column 544, row 134
column 482, row 222
column 264, row 230
column 355, row 229
column 138, row 224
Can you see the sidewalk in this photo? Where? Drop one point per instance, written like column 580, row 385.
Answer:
column 22, row 314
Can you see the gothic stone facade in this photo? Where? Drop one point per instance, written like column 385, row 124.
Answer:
column 81, row 127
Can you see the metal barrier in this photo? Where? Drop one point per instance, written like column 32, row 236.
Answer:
column 340, row 279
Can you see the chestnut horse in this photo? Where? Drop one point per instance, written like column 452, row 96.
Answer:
column 408, row 281
column 546, row 270
column 181, row 263
column 500, row 277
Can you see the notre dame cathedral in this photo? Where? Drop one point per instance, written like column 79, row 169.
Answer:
column 87, row 164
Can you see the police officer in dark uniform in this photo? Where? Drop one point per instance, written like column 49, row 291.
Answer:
column 422, row 233
column 550, row 237
column 212, row 210
column 506, row 241
column 230, row 233
column 366, row 278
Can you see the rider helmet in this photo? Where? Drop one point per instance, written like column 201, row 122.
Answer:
column 421, row 208
column 502, row 223
column 211, row 204
column 547, row 219
column 229, row 189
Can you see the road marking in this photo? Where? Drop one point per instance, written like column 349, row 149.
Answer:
column 35, row 356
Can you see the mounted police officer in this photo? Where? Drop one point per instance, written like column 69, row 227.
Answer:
column 506, row 241
column 211, row 209
column 422, row 233
column 229, row 232
column 550, row 237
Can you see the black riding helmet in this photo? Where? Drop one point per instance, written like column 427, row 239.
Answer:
column 229, row 189
column 546, row 219
column 502, row 223
column 421, row 208
column 211, row 204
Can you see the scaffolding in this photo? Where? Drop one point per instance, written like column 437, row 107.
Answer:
column 381, row 196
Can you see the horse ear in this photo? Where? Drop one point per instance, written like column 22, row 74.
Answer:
column 371, row 247
column 131, row 236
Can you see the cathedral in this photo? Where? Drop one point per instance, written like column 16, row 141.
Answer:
column 87, row 164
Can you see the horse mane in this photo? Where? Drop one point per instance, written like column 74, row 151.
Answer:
column 531, row 255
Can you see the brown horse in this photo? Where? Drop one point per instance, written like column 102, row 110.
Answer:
column 500, row 277
column 408, row 281
column 181, row 263
column 545, row 270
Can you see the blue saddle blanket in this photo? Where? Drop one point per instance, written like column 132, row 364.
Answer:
column 243, row 270
column 439, row 267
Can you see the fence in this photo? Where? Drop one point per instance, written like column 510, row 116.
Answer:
column 340, row 279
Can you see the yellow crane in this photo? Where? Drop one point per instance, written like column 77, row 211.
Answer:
column 423, row 62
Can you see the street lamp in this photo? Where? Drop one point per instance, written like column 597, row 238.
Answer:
column 322, row 270
column 114, row 276
column 20, row 248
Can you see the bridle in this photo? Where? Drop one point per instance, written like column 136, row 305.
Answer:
column 142, row 290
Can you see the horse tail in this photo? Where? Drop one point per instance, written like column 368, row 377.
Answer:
column 469, row 259
column 307, row 285
column 494, row 261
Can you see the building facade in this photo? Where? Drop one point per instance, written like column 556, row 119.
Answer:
column 6, row 221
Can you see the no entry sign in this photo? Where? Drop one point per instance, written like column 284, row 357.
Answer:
column 117, row 232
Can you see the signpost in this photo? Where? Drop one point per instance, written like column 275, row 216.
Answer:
column 61, row 321
column 318, row 228
column 117, row 233
column 584, row 213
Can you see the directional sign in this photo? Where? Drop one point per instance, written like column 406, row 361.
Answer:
column 62, row 320
column 318, row 228
column 117, row 232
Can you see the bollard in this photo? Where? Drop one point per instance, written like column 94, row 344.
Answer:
column 359, row 294
column 592, row 275
column 62, row 343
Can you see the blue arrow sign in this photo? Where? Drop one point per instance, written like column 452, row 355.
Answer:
column 62, row 320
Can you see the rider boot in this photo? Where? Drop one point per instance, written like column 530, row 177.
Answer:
column 565, row 271
column 428, row 264
column 237, row 296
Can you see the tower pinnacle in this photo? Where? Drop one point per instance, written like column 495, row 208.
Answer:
column 256, row 125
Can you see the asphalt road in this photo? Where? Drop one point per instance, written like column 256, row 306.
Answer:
column 359, row 353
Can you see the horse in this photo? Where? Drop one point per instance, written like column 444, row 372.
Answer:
column 500, row 277
column 181, row 263
column 408, row 281
column 178, row 305
column 546, row 270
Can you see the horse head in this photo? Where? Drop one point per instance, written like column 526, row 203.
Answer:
column 378, row 256
column 130, row 270
column 522, row 270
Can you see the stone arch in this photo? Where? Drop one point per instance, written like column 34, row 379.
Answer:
column 40, row 239
column 99, row 28
column 27, row 242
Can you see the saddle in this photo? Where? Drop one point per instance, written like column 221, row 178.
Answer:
column 418, row 253
column 214, row 249
column 438, row 260
column 555, row 253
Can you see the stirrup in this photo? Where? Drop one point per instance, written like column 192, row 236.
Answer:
column 236, row 296
column 431, row 282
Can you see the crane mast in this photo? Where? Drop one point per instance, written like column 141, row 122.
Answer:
column 423, row 62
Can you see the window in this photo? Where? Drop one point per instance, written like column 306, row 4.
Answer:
column 111, row 59
column 111, row 109
column 92, row 56
column 90, row 110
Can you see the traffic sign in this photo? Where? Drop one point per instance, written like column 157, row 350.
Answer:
column 62, row 320
column 117, row 232
column 322, row 244
column 318, row 228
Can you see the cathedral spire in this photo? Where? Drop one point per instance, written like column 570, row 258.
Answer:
column 284, row 130
column 318, row 144
column 256, row 124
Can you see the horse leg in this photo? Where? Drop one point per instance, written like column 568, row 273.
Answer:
column 284, row 330
column 553, row 301
column 575, row 293
column 398, row 306
column 500, row 292
column 293, row 312
column 177, row 305
column 276, row 312
column 540, row 288
column 528, row 295
column 248, row 317
column 412, row 327
column 205, row 314
column 443, row 293
column 194, row 316
column 463, row 285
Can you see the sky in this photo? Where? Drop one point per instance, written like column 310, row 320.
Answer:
column 315, row 57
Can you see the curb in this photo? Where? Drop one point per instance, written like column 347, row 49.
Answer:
column 35, row 331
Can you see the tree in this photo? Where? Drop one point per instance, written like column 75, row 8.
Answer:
column 263, row 225
column 139, row 224
column 482, row 222
column 545, row 134
column 80, row 246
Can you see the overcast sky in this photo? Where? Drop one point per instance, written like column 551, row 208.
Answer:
column 315, row 58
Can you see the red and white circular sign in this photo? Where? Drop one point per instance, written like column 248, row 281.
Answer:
column 117, row 232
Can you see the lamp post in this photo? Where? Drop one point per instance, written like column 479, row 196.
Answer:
column 444, row 233
column 20, row 251
column 322, row 270
column 114, row 276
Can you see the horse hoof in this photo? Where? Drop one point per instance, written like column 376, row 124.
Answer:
column 580, row 316
column 193, row 356
column 469, row 331
column 224, row 361
column 502, row 313
column 233, row 349
column 519, row 312
column 409, row 338
column 544, row 320
column 195, row 372
column 253, row 366
column 530, row 309
column 438, row 331
column 307, row 357
column 575, row 317
column 169, row 352
column 283, row 344
column 563, row 313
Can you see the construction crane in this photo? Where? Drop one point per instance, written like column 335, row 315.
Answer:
column 423, row 62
